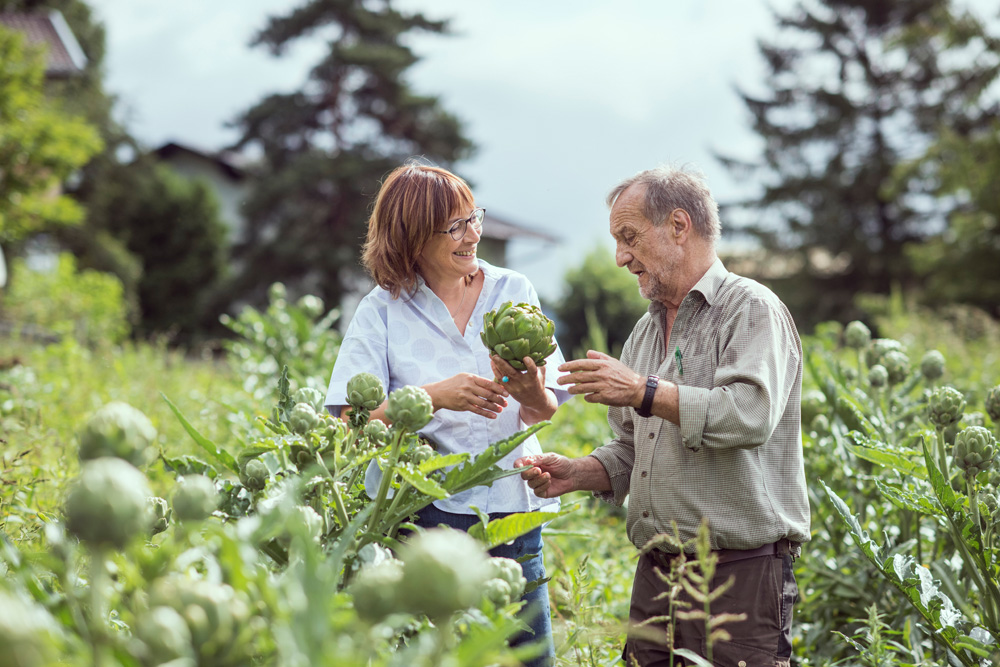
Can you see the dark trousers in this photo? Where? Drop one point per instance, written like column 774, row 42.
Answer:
column 764, row 589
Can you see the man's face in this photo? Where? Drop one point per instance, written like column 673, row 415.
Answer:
column 650, row 252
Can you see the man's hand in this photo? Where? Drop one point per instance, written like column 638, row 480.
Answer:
column 548, row 475
column 603, row 379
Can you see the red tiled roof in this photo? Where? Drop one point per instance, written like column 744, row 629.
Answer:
column 64, row 56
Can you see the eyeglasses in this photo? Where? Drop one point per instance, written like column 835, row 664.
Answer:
column 457, row 230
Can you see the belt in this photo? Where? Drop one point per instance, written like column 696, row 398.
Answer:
column 782, row 547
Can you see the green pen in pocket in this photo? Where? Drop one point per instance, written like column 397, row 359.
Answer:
column 679, row 356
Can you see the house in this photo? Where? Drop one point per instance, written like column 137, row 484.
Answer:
column 64, row 57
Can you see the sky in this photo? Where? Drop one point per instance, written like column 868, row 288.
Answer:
column 564, row 99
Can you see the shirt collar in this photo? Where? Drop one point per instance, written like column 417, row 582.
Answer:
column 708, row 286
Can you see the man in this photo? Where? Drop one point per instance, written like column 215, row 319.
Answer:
column 705, row 407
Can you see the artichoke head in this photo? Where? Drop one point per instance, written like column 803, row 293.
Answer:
column 993, row 404
column 195, row 498
column 857, row 335
column 364, row 390
column 118, row 429
column 932, row 365
column 410, row 408
column 974, row 450
column 444, row 571
column 897, row 365
column 945, row 407
column 879, row 348
column 107, row 505
column 517, row 331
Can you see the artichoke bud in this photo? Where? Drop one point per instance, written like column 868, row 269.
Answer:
column 313, row 397
column 302, row 457
column 498, row 592
column 195, row 498
column 303, row 418
column 107, row 506
column 945, row 406
column 118, row 429
column 254, row 475
column 879, row 348
column 932, row 365
column 993, row 404
column 377, row 431
column 165, row 634
column 374, row 590
column 897, row 364
column 508, row 570
column 410, row 408
column 878, row 376
column 159, row 514
column 420, row 453
column 857, row 335
column 515, row 332
column 974, row 450
column 364, row 390
column 443, row 572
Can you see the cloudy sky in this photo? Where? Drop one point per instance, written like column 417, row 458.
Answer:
column 563, row 98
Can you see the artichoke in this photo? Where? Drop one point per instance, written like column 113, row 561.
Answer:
column 993, row 404
column 498, row 592
column 878, row 376
column 510, row 571
column 195, row 498
column 27, row 633
column 897, row 365
column 515, row 332
column 107, row 505
column 159, row 514
column 314, row 397
column 377, row 431
column 932, row 365
column 165, row 635
column 216, row 616
column 420, row 453
column 254, row 475
column 443, row 572
column 879, row 348
column 364, row 390
column 857, row 335
column 409, row 408
column 118, row 429
column 303, row 418
column 374, row 590
column 945, row 407
column 974, row 450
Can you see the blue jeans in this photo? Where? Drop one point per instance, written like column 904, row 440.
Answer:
column 536, row 609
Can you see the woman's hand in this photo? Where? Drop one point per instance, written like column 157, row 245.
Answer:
column 466, row 392
column 527, row 387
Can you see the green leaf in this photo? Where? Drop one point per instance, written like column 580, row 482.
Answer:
column 881, row 455
column 253, row 451
column 980, row 649
column 483, row 470
column 942, row 489
column 428, row 487
column 692, row 657
column 189, row 465
column 502, row 531
column 908, row 500
column 438, row 462
column 220, row 455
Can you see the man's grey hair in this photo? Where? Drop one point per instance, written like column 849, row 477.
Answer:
column 669, row 188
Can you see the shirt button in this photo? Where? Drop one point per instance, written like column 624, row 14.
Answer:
column 645, row 514
column 652, row 435
column 643, row 473
column 742, row 663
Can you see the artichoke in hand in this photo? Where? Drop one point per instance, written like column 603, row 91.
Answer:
column 515, row 332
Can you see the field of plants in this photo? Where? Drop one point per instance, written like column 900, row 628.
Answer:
column 168, row 508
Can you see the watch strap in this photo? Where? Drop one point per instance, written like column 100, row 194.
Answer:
column 652, row 382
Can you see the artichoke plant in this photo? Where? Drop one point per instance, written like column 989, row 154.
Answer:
column 974, row 451
column 254, row 475
column 107, row 505
column 878, row 376
column 409, row 408
column 159, row 514
column 195, row 498
column 897, row 366
column 879, row 348
column 364, row 390
column 443, row 572
column 118, row 429
column 375, row 590
column 515, row 332
column 993, row 404
column 932, row 365
column 945, row 407
column 303, row 418
column 857, row 335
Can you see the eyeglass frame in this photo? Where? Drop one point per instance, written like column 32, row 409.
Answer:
column 479, row 213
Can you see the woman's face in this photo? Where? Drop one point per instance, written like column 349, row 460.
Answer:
column 443, row 257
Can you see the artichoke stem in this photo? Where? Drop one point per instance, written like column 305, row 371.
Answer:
column 387, row 475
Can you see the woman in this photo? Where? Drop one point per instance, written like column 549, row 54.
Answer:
column 421, row 326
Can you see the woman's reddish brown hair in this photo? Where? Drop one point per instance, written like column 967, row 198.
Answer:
column 414, row 201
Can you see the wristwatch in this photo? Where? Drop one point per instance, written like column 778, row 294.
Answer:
column 647, row 400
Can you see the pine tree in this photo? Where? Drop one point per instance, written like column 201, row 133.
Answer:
column 855, row 88
column 326, row 147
